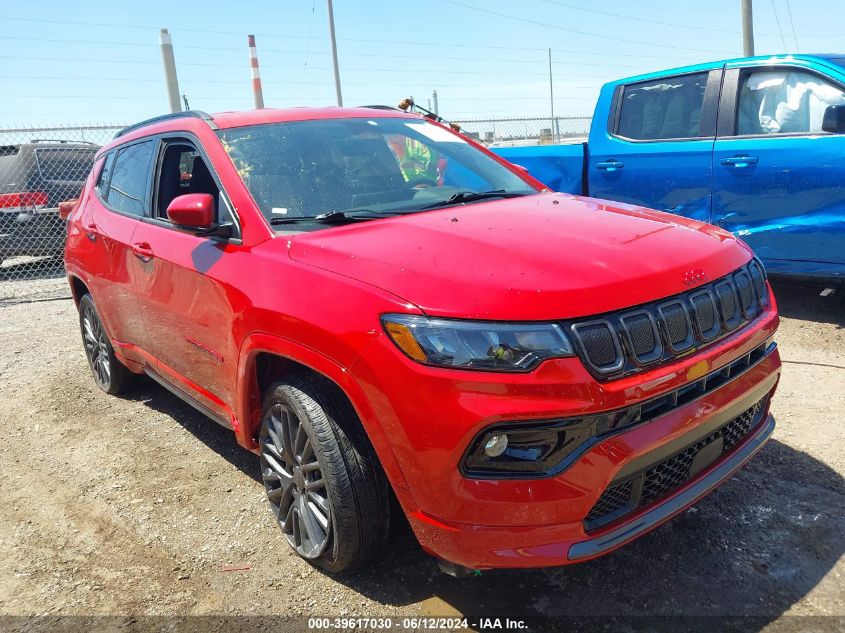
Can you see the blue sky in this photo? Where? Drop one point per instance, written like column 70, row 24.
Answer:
column 98, row 61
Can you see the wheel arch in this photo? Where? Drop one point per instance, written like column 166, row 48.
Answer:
column 265, row 359
column 78, row 287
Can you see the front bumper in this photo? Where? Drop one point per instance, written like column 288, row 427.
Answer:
column 432, row 415
column 629, row 530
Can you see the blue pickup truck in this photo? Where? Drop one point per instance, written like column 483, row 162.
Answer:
column 754, row 145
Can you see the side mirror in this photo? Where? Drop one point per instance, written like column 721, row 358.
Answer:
column 67, row 207
column 192, row 210
column 834, row 119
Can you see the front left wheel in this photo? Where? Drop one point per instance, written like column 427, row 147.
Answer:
column 325, row 486
column 109, row 373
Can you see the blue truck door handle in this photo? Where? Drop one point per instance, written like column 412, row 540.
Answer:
column 742, row 160
column 610, row 165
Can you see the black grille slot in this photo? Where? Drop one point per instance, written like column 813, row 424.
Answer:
column 677, row 325
column 663, row 478
column 599, row 342
column 613, row 499
column 705, row 314
column 728, row 304
column 643, row 336
column 758, row 278
column 622, row 343
column 746, row 292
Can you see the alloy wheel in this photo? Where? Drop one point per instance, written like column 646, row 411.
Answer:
column 294, row 482
column 96, row 347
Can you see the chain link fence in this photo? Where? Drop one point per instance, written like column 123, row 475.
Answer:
column 530, row 131
column 40, row 168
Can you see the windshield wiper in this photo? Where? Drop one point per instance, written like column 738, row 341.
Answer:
column 332, row 217
column 471, row 196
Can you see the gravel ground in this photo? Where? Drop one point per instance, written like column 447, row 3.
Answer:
column 141, row 507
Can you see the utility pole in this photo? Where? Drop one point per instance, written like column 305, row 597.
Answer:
column 436, row 109
column 169, row 62
column 747, row 29
column 552, row 95
column 334, row 55
column 257, row 92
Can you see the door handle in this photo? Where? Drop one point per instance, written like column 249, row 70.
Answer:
column 742, row 160
column 609, row 165
column 90, row 231
column 142, row 251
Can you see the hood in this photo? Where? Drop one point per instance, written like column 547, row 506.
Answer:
column 542, row 257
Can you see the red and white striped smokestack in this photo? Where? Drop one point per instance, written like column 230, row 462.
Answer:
column 256, row 77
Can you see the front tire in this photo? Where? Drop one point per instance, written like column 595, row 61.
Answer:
column 325, row 486
column 109, row 374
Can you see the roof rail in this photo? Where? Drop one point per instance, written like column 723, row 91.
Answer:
column 190, row 114
column 61, row 141
column 380, row 107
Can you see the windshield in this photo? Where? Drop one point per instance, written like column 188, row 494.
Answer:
column 305, row 169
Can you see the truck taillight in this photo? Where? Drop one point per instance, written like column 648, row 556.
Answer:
column 23, row 200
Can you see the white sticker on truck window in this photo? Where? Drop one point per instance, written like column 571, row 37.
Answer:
column 435, row 133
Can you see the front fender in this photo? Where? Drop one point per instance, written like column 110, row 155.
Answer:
column 249, row 399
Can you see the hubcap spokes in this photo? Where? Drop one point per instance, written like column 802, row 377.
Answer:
column 294, row 482
column 96, row 347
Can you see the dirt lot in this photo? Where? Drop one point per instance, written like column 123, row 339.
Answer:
column 140, row 506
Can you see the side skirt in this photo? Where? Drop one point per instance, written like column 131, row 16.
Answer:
column 187, row 399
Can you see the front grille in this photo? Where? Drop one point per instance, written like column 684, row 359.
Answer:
column 600, row 339
column 704, row 311
column 658, row 480
column 641, row 329
column 628, row 341
column 613, row 499
column 746, row 292
column 678, row 325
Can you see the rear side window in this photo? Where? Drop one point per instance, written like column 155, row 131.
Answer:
column 666, row 108
column 784, row 101
column 105, row 175
column 130, row 178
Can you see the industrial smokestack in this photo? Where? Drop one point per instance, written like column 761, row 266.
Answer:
column 257, row 93
column 169, row 61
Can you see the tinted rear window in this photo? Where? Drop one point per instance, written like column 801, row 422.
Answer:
column 669, row 107
column 66, row 164
column 130, row 178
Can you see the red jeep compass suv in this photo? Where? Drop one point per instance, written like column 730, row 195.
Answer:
column 378, row 306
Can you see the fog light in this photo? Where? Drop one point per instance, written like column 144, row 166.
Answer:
column 496, row 445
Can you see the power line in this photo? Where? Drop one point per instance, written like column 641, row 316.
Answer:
column 638, row 19
column 361, row 69
column 792, row 25
column 680, row 25
column 428, row 56
column 379, row 41
column 777, row 20
column 278, row 83
column 577, row 31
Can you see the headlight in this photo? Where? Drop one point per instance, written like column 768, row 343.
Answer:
column 476, row 344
